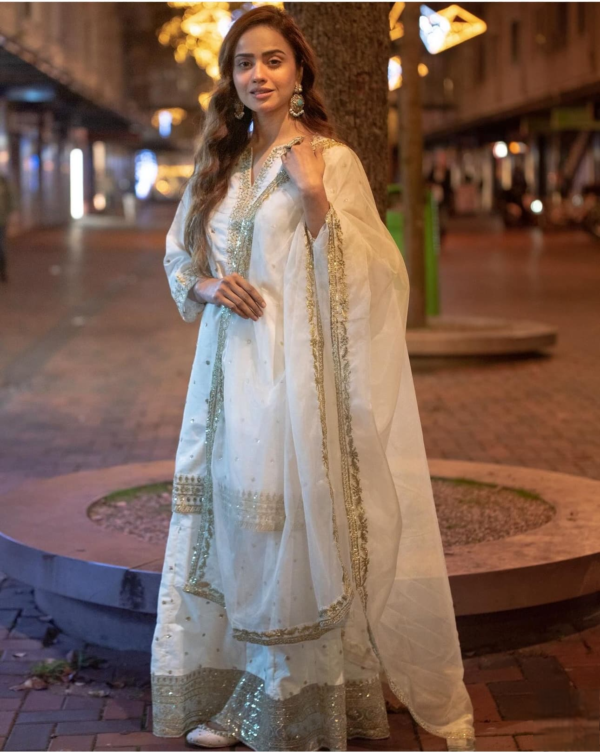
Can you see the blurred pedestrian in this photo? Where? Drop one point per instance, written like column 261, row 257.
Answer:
column 7, row 204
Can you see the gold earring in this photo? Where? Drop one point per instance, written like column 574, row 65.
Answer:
column 238, row 109
column 297, row 102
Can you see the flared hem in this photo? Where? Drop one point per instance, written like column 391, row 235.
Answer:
column 318, row 715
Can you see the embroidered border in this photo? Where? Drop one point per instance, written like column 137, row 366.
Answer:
column 317, row 347
column 289, row 636
column 338, row 298
column 316, row 716
column 187, row 495
column 183, row 281
column 254, row 510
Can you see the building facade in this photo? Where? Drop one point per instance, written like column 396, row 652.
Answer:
column 531, row 81
column 62, row 89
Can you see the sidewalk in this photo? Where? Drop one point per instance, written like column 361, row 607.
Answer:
column 94, row 364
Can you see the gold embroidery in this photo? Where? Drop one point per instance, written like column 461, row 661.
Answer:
column 366, row 712
column 181, row 702
column 319, row 715
column 288, row 636
column 317, row 345
column 183, row 281
column 253, row 510
column 187, row 494
column 338, row 299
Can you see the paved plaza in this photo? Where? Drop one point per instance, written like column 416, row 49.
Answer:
column 94, row 366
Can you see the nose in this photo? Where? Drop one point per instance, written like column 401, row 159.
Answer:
column 258, row 72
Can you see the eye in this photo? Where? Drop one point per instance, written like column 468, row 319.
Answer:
column 275, row 60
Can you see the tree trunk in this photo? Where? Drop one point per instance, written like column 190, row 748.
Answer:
column 352, row 45
column 412, row 164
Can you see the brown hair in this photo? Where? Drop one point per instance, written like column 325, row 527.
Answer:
column 223, row 137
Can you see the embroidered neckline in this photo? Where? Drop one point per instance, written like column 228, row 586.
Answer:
column 273, row 153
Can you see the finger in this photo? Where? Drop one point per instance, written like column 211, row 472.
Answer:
column 244, row 290
column 232, row 306
column 240, row 304
column 252, row 290
column 248, row 299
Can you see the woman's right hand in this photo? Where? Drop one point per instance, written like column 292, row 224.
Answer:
column 232, row 291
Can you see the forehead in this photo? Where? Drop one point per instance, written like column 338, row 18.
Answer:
column 261, row 39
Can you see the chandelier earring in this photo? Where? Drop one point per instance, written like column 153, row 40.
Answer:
column 238, row 109
column 297, row 102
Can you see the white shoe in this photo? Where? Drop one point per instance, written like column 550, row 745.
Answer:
column 204, row 736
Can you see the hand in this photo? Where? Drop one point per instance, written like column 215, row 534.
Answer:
column 305, row 166
column 232, row 291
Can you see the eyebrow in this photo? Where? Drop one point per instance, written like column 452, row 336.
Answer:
column 267, row 52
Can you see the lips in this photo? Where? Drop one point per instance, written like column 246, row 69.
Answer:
column 262, row 91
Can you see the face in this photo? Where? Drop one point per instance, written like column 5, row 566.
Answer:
column 263, row 59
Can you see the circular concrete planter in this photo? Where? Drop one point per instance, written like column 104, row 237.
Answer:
column 102, row 586
column 453, row 336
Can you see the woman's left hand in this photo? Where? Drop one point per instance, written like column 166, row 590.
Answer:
column 305, row 166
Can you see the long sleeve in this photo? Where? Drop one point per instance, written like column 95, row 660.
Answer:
column 178, row 263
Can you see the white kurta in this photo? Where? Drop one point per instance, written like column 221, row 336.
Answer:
column 304, row 554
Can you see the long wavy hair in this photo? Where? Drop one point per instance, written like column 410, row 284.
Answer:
column 223, row 137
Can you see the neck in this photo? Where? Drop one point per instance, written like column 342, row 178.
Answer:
column 274, row 128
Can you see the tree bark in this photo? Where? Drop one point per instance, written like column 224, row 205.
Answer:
column 352, row 45
column 412, row 164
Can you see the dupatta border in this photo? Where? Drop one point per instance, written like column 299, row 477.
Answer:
column 352, row 491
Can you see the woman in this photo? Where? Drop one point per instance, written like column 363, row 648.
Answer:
column 304, row 555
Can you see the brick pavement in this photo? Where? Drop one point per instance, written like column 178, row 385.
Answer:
column 541, row 697
column 94, row 362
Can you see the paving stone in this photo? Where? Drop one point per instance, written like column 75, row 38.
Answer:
column 7, row 718
column 79, row 702
column 123, row 709
column 112, row 739
column 83, row 742
column 589, row 699
column 560, row 740
column 585, row 676
column 35, row 736
column 484, row 675
column 485, row 703
column 545, row 703
column 172, row 745
column 30, row 627
column 10, row 703
column 42, row 700
column 97, row 727
column 18, row 645
column 40, row 716
column 541, row 668
column 16, row 668
column 502, row 743
column 497, row 661
column 430, row 742
column 16, row 600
